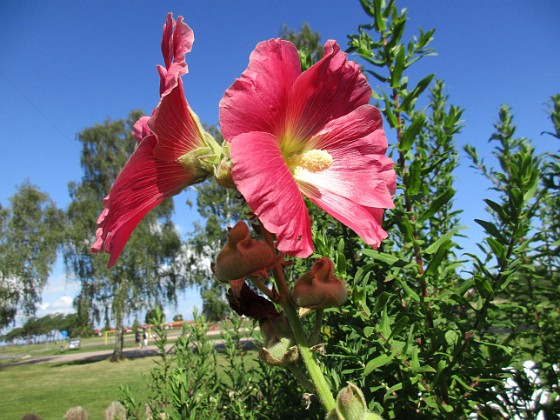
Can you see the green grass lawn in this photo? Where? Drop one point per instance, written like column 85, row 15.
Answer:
column 49, row 389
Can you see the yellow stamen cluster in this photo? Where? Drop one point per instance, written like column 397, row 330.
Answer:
column 314, row 160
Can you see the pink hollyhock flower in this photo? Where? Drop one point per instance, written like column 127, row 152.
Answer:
column 171, row 152
column 310, row 133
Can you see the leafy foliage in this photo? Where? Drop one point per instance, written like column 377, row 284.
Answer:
column 31, row 231
column 420, row 337
column 198, row 378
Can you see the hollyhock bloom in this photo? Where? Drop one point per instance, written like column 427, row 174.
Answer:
column 173, row 151
column 310, row 133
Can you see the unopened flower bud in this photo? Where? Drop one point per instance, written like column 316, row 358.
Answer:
column 242, row 255
column 280, row 348
column 351, row 405
column 319, row 288
column 222, row 172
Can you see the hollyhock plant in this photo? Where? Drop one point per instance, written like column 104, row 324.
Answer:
column 312, row 134
column 173, row 151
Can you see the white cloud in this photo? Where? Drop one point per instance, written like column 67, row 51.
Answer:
column 62, row 305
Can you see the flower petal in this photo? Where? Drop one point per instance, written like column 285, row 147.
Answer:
column 143, row 183
column 360, row 170
column 261, row 175
column 140, row 129
column 257, row 100
column 175, row 126
column 176, row 42
column 329, row 89
column 365, row 221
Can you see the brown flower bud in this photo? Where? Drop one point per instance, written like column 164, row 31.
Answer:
column 319, row 288
column 242, row 255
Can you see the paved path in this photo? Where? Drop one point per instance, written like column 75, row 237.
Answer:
column 90, row 356
column 94, row 356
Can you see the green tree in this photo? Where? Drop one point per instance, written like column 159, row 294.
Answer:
column 31, row 231
column 153, row 313
column 307, row 41
column 147, row 271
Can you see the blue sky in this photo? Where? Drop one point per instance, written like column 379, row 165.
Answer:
column 65, row 66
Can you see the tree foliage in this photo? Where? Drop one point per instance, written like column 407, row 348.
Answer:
column 47, row 327
column 31, row 231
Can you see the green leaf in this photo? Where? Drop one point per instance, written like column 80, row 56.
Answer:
column 378, row 16
column 410, row 133
column 388, row 259
column 437, row 259
column 498, row 248
column 491, row 229
column 399, row 325
column 500, row 212
column 378, row 362
column 532, row 189
column 414, row 179
column 411, row 293
column 416, row 92
column 381, row 301
column 464, row 286
column 398, row 68
column 437, row 204
column 441, row 240
column 385, row 323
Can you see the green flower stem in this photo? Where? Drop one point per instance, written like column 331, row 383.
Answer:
column 319, row 382
column 301, row 378
column 315, row 373
column 315, row 334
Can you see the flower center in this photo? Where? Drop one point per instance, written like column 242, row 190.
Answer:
column 314, row 160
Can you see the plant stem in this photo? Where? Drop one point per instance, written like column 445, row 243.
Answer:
column 315, row 373
column 317, row 378
column 314, row 337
